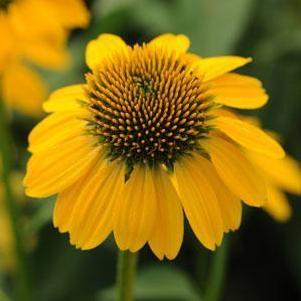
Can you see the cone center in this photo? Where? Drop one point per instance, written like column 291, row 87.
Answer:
column 147, row 107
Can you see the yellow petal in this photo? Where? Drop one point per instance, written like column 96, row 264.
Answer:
column 102, row 49
column 199, row 202
column 65, row 204
column 69, row 98
column 167, row 235
column 71, row 13
column 47, row 55
column 277, row 205
column 88, row 209
column 33, row 21
column 209, row 68
column 172, row 44
column 55, row 129
column 286, row 172
column 224, row 112
column 236, row 171
column 135, row 210
column 8, row 50
column 235, row 79
column 42, row 28
column 249, row 136
column 238, row 91
column 53, row 170
column 190, row 58
column 40, row 34
column 229, row 204
column 23, row 89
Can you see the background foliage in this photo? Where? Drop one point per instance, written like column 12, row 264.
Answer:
column 264, row 261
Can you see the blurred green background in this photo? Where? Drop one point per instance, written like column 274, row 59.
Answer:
column 264, row 257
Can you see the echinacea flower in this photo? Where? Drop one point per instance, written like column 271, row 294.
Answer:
column 144, row 141
column 34, row 31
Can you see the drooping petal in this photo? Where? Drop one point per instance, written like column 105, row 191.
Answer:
column 286, row 172
column 55, row 129
column 277, row 204
column 167, row 235
column 230, row 205
column 236, row 171
column 54, row 169
column 23, row 89
column 172, row 44
column 210, row 68
column 249, row 136
column 66, row 99
column 91, row 220
column 238, row 91
column 102, row 48
column 135, row 210
column 66, row 202
column 199, row 202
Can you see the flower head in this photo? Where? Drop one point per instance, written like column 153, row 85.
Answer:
column 146, row 139
column 34, row 31
column 147, row 107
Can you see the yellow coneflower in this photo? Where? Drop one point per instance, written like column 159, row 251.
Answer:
column 34, row 31
column 144, row 140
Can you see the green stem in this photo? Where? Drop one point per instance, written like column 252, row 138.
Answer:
column 6, row 151
column 217, row 273
column 126, row 268
column 201, row 265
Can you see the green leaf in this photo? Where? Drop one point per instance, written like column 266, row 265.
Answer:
column 159, row 283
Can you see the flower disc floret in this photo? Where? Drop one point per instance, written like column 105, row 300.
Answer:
column 147, row 106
